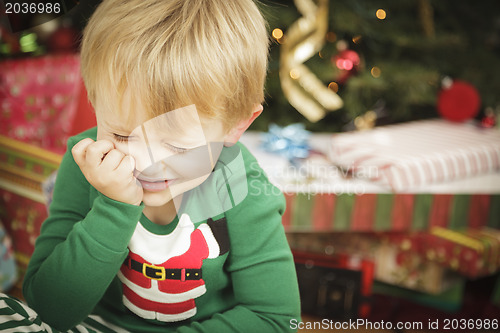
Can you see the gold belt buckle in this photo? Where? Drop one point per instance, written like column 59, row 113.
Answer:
column 162, row 274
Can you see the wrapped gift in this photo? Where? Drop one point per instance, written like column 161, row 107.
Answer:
column 322, row 212
column 321, row 197
column 398, row 257
column 42, row 103
column 43, row 100
column 23, row 169
column 472, row 252
column 409, row 155
column 399, row 262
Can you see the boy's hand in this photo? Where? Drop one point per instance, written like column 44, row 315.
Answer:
column 107, row 169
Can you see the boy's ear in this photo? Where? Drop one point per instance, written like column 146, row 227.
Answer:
column 237, row 131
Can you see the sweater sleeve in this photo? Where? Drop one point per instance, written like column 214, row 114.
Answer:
column 260, row 263
column 80, row 249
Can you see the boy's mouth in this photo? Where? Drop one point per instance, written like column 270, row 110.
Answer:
column 155, row 186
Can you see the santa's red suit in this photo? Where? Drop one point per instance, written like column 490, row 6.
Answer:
column 162, row 274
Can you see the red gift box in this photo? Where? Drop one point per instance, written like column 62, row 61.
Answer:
column 400, row 261
column 43, row 100
column 24, row 218
column 472, row 252
column 42, row 103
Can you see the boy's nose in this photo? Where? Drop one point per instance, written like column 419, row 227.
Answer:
column 155, row 170
column 149, row 158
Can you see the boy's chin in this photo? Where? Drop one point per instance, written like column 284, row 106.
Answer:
column 156, row 199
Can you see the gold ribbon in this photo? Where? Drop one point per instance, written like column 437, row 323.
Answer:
column 458, row 238
column 304, row 38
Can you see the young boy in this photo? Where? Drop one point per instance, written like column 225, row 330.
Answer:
column 153, row 227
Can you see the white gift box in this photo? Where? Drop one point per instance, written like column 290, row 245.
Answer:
column 425, row 152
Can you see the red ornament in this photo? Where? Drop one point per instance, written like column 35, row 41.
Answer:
column 458, row 102
column 347, row 61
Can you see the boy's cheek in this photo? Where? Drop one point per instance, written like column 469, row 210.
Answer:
column 195, row 163
column 188, row 165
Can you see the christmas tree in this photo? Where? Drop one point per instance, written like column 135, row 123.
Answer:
column 386, row 56
column 404, row 50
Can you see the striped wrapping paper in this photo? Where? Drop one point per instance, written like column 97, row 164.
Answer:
column 389, row 212
column 409, row 155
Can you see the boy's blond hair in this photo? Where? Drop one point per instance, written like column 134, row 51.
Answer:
column 173, row 53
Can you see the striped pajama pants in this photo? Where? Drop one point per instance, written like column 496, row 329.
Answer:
column 17, row 317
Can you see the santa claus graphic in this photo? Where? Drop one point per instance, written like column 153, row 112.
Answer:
column 162, row 275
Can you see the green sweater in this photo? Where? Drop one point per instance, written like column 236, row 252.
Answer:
column 89, row 257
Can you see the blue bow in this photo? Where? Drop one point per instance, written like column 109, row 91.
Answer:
column 289, row 141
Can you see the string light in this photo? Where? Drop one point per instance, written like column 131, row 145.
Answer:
column 294, row 74
column 331, row 36
column 277, row 33
column 357, row 39
column 334, row 86
column 381, row 14
column 376, row 72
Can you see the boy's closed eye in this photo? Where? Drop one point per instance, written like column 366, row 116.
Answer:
column 174, row 149
column 120, row 138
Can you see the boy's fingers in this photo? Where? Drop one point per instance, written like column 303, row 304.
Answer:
column 78, row 151
column 112, row 159
column 127, row 166
column 96, row 152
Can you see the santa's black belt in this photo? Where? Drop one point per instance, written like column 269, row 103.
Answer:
column 161, row 273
